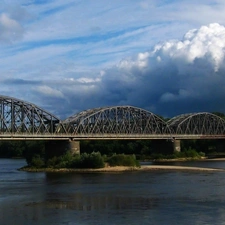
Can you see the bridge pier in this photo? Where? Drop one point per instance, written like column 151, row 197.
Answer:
column 176, row 145
column 74, row 147
column 58, row 148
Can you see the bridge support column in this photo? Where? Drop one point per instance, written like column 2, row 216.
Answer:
column 58, row 148
column 176, row 145
column 74, row 147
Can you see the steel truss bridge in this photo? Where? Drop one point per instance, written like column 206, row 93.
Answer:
column 21, row 120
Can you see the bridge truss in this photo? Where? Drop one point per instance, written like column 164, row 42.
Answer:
column 117, row 122
column 198, row 124
column 23, row 120
column 19, row 118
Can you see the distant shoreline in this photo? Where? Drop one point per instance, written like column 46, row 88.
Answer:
column 189, row 159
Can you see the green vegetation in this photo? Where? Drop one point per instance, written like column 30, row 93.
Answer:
column 111, row 147
column 93, row 160
column 21, row 149
column 187, row 154
column 123, row 160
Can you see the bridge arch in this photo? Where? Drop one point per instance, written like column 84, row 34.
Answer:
column 201, row 123
column 116, row 120
column 20, row 117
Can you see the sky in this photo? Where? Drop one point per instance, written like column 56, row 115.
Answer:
column 66, row 56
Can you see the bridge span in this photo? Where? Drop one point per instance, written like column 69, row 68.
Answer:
column 21, row 120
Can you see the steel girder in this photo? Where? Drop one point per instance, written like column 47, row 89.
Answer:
column 197, row 123
column 116, row 120
column 20, row 117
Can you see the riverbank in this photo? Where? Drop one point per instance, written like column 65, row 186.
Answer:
column 189, row 159
column 116, row 169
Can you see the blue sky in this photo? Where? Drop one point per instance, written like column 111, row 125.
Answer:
column 166, row 56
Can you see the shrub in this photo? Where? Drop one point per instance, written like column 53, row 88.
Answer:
column 76, row 161
column 93, row 160
column 190, row 153
column 65, row 161
column 37, row 162
column 123, row 160
column 53, row 162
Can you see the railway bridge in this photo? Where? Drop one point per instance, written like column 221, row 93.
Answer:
column 21, row 120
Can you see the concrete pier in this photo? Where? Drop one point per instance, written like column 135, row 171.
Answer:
column 58, row 148
column 176, row 145
column 73, row 147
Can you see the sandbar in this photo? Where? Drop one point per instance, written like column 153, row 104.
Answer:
column 124, row 168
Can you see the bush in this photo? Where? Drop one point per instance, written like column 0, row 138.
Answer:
column 37, row 162
column 93, row 160
column 53, row 162
column 65, row 161
column 123, row 160
column 76, row 161
column 190, row 153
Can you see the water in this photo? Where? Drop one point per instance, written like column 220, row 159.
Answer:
column 151, row 197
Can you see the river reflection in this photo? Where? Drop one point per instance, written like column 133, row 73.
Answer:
column 150, row 197
column 219, row 164
column 90, row 203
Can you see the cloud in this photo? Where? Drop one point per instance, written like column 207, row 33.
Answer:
column 49, row 92
column 10, row 29
column 177, row 76
column 67, row 57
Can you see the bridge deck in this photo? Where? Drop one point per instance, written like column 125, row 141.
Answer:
column 106, row 137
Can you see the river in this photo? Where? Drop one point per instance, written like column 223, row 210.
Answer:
column 138, row 197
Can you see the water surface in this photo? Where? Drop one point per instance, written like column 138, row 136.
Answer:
column 150, row 197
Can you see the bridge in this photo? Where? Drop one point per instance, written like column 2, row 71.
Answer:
column 21, row 120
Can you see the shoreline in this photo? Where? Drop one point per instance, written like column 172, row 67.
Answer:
column 117, row 169
column 189, row 159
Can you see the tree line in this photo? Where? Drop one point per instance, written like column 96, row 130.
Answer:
column 140, row 148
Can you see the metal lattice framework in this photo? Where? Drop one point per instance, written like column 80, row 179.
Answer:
column 116, row 120
column 20, row 117
column 197, row 124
